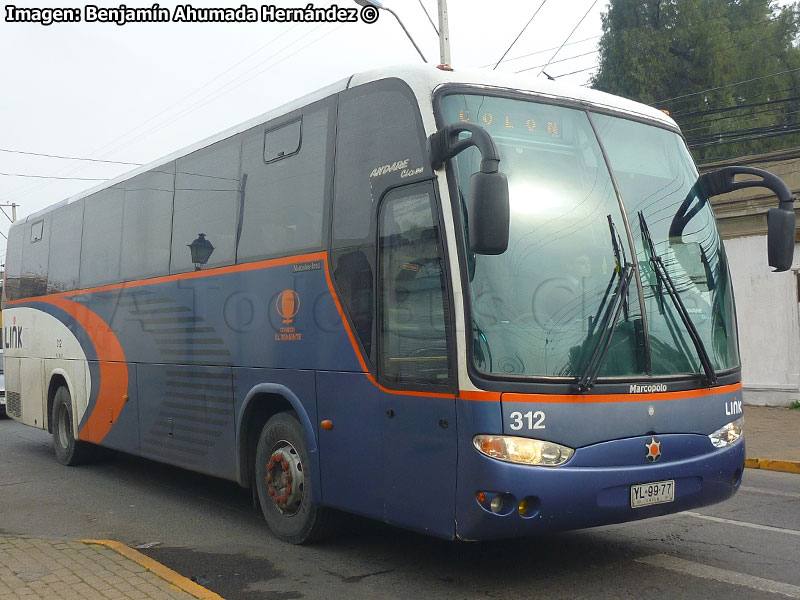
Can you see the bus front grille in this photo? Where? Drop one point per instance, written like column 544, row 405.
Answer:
column 14, row 404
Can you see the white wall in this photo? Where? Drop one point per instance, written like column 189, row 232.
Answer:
column 769, row 322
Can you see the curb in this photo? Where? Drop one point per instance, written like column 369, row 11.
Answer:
column 767, row 464
column 155, row 567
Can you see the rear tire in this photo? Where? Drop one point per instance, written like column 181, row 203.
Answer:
column 69, row 451
column 283, row 483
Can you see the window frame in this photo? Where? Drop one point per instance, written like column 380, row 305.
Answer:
column 450, row 386
column 283, row 124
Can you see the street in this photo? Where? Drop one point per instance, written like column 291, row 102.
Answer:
column 207, row 530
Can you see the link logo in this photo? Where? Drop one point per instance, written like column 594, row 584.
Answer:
column 12, row 336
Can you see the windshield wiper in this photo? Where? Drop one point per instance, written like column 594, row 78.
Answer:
column 608, row 324
column 664, row 279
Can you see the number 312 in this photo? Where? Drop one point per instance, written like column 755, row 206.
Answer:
column 517, row 420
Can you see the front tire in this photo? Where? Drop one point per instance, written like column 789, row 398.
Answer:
column 283, row 482
column 69, row 451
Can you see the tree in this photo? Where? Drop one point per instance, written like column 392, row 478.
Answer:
column 727, row 70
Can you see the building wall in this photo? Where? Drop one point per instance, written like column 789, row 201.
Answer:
column 766, row 302
column 769, row 322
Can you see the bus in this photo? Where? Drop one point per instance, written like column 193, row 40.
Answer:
column 464, row 303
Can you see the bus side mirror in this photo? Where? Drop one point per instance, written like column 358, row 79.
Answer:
column 780, row 219
column 487, row 210
column 780, row 238
column 489, row 213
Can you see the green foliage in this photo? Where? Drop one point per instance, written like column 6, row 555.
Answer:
column 662, row 52
column 795, row 405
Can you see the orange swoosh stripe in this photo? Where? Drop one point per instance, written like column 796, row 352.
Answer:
column 600, row 398
column 253, row 266
column 113, row 369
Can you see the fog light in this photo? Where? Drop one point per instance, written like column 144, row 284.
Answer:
column 497, row 504
column 523, row 507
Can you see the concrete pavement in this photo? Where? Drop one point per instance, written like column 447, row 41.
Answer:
column 773, row 438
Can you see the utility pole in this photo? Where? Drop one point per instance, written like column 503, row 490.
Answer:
column 444, row 37
column 13, row 206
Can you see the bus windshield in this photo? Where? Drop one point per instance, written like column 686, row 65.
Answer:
column 580, row 265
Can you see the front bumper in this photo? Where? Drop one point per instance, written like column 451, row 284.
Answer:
column 593, row 488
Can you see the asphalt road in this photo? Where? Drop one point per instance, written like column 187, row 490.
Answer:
column 206, row 529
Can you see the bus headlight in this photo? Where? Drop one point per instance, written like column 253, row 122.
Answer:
column 725, row 436
column 523, row 451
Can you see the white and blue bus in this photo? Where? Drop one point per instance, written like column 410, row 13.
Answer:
column 465, row 303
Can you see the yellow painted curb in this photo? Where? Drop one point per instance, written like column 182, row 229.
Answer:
column 155, row 567
column 785, row 466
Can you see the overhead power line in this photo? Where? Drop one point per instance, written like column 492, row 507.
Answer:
column 97, row 160
column 536, row 12
column 53, row 177
column 573, row 72
column 709, row 122
column 722, row 87
column 558, row 61
column 759, row 136
column 569, row 36
column 521, row 56
column 427, row 14
column 714, row 111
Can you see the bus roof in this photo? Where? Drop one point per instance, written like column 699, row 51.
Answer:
column 423, row 80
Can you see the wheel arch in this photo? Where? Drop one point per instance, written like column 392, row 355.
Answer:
column 57, row 378
column 262, row 402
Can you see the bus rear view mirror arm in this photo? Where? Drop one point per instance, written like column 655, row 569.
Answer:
column 488, row 209
column 780, row 219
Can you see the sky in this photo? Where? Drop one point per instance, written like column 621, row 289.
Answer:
column 137, row 92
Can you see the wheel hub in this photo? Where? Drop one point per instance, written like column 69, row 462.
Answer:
column 285, row 479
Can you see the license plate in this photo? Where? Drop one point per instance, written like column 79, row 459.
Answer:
column 657, row 492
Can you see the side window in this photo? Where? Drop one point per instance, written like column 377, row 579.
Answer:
column 147, row 223
column 206, row 207
column 354, row 273
column 284, row 200
column 283, row 141
column 13, row 261
column 65, row 248
column 34, row 258
column 101, row 240
column 380, row 143
column 412, row 290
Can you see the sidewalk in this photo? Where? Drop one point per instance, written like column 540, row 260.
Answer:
column 87, row 570
column 773, row 438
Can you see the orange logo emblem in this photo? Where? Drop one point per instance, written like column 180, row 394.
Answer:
column 288, row 305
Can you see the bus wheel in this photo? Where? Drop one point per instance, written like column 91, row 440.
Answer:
column 69, row 451
column 283, row 483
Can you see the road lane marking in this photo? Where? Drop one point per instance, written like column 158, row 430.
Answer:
column 745, row 488
column 742, row 523
column 696, row 569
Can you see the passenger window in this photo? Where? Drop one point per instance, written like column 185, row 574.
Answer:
column 285, row 200
column 380, row 144
column 13, row 261
column 65, row 249
column 412, row 290
column 206, row 207
column 37, row 229
column 283, row 141
column 34, row 260
column 147, row 223
column 102, row 237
